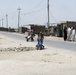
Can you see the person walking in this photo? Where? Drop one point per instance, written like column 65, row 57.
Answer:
column 65, row 33
column 73, row 34
column 31, row 34
column 69, row 32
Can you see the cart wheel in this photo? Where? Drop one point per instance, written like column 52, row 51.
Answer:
column 27, row 40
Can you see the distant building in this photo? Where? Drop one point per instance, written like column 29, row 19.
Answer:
column 23, row 29
column 63, row 24
column 37, row 28
column 53, row 30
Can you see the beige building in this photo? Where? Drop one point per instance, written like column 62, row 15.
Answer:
column 63, row 24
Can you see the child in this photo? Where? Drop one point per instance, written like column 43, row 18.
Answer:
column 40, row 42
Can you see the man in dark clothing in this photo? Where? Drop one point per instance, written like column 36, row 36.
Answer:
column 65, row 33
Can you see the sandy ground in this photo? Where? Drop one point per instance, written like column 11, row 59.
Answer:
column 51, row 61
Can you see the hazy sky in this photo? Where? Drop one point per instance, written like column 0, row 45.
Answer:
column 35, row 11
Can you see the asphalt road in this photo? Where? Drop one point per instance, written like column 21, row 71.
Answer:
column 47, row 42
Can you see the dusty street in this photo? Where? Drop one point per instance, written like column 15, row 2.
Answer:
column 51, row 61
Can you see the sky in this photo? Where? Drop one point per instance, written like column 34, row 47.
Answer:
column 35, row 11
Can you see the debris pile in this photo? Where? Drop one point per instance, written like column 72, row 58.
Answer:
column 18, row 49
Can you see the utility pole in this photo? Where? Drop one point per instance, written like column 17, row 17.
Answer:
column 48, row 15
column 2, row 22
column 6, row 21
column 18, row 18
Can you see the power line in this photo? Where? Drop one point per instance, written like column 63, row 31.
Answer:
column 44, row 6
column 34, row 11
column 53, row 17
column 40, row 2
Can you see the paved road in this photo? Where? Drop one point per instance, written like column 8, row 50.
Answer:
column 47, row 42
column 61, row 44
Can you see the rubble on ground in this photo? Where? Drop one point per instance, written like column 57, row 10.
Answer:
column 18, row 49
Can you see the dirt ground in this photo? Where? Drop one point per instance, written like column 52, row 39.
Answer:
column 50, row 61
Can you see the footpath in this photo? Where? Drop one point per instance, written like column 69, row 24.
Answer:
column 51, row 61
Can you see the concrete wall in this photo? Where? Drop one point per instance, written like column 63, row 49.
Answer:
column 7, row 29
column 38, row 28
column 23, row 29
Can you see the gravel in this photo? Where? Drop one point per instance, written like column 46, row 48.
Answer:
column 17, row 49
